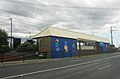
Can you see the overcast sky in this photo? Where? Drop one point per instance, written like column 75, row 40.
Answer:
column 86, row 16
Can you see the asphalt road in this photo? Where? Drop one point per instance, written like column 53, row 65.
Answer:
column 106, row 66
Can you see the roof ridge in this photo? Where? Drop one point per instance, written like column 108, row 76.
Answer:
column 77, row 32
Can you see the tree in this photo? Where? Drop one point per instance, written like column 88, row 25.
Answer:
column 4, row 41
column 27, row 47
column 3, row 37
column 119, row 47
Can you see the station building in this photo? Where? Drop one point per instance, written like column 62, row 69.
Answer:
column 60, row 43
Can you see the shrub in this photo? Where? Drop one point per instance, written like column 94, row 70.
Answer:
column 26, row 47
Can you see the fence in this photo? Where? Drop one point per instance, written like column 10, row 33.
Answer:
column 22, row 56
column 17, row 56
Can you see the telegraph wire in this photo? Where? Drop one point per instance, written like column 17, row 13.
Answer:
column 24, row 15
column 59, row 6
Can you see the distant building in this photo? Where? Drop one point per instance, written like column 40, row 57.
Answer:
column 58, row 43
column 15, row 42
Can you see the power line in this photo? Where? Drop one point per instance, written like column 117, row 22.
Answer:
column 55, row 6
column 27, row 16
column 2, row 22
column 28, row 23
column 20, row 21
column 59, row 6
column 24, row 15
column 23, row 3
column 23, row 21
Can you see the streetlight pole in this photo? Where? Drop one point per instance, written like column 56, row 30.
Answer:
column 11, row 34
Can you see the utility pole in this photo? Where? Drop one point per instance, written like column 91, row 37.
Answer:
column 111, row 31
column 111, row 35
column 11, row 34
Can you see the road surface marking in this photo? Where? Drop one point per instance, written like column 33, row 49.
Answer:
column 48, row 70
column 75, row 60
column 88, row 65
column 104, row 67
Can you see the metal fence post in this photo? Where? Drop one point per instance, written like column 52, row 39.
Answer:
column 2, row 57
column 52, row 55
column 23, row 54
column 23, row 57
column 62, row 54
column 71, row 54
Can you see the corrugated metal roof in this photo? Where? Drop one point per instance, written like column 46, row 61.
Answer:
column 52, row 31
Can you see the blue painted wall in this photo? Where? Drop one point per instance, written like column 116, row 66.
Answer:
column 106, row 47
column 63, row 47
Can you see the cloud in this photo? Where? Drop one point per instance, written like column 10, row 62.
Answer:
column 87, row 16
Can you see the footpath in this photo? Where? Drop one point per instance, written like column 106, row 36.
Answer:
column 34, row 61
column 44, row 60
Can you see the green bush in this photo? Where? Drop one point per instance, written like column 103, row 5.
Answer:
column 26, row 47
column 4, row 48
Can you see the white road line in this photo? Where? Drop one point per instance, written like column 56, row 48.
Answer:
column 104, row 67
column 41, row 71
column 75, row 60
